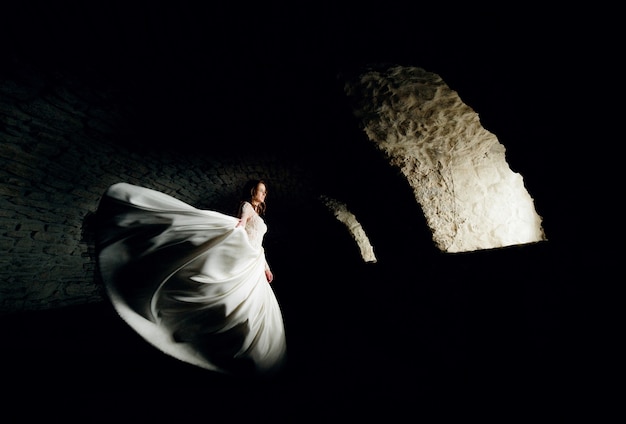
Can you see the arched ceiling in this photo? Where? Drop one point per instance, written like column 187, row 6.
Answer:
column 274, row 72
column 271, row 72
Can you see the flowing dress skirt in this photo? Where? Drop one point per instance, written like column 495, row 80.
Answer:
column 188, row 281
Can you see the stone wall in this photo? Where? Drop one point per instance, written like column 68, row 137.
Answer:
column 457, row 169
column 63, row 141
column 65, row 138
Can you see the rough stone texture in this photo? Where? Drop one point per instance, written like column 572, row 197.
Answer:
column 65, row 138
column 343, row 215
column 63, row 142
column 457, row 169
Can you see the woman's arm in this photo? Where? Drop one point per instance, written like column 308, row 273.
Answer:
column 245, row 214
column 268, row 272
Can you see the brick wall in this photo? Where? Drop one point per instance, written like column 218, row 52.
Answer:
column 63, row 141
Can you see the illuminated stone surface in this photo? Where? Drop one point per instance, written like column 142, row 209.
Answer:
column 457, row 169
column 343, row 215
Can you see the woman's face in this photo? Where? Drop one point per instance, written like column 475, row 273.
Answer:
column 260, row 193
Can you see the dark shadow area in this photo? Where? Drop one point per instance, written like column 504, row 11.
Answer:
column 419, row 328
column 455, row 327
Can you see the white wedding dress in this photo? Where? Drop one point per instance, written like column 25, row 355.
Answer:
column 190, row 282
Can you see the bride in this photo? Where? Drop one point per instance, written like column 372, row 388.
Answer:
column 194, row 283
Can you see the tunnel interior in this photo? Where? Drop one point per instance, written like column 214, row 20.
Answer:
column 115, row 93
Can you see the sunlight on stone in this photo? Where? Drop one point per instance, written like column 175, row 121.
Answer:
column 470, row 197
column 346, row 217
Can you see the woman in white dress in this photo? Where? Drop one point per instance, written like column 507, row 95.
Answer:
column 194, row 283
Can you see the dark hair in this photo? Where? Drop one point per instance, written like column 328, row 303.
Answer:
column 248, row 192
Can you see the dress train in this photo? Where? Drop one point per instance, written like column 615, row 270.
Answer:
column 189, row 281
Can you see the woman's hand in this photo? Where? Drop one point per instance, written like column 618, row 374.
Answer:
column 269, row 275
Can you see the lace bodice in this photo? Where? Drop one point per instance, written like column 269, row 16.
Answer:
column 256, row 227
